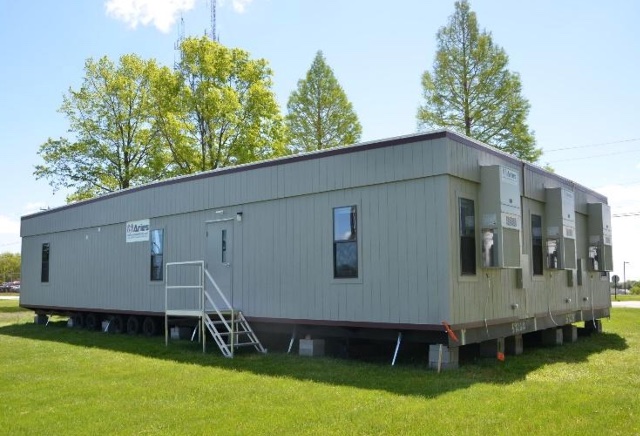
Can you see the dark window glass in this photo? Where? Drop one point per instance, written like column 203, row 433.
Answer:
column 224, row 245
column 467, row 237
column 345, row 242
column 44, row 268
column 157, row 250
column 536, row 244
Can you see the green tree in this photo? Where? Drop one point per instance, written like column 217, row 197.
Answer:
column 319, row 113
column 217, row 109
column 115, row 145
column 9, row 267
column 472, row 91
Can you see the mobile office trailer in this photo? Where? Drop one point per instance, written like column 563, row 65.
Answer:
column 423, row 234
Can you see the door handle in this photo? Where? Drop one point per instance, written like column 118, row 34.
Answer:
column 227, row 264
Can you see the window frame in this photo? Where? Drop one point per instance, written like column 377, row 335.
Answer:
column 462, row 238
column 45, row 270
column 354, row 241
column 159, row 277
column 541, row 245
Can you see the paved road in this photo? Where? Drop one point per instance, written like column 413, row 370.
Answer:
column 633, row 304
column 9, row 297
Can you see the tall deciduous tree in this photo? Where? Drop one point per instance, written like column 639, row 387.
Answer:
column 472, row 91
column 319, row 113
column 115, row 145
column 217, row 109
column 9, row 267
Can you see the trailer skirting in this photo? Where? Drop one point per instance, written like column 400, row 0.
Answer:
column 460, row 334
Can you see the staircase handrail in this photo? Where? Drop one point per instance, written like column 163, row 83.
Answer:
column 218, row 311
column 217, row 288
column 200, row 285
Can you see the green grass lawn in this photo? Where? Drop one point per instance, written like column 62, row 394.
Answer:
column 11, row 313
column 625, row 298
column 58, row 380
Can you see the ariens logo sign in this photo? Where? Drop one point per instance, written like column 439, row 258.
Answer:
column 135, row 228
column 509, row 175
column 137, row 231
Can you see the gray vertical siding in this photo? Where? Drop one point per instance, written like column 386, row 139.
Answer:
column 287, row 265
column 493, row 293
column 408, row 241
column 283, row 246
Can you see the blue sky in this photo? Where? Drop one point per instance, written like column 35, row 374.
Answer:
column 578, row 61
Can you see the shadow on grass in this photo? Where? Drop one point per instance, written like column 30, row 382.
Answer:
column 406, row 379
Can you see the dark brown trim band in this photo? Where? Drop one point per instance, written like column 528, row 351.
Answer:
column 348, row 324
column 61, row 310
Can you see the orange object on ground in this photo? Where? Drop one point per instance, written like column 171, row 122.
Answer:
column 450, row 332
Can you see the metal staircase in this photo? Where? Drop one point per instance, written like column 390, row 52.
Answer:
column 228, row 327
column 231, row 331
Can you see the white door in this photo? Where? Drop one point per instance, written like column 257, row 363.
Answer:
column 219, row 261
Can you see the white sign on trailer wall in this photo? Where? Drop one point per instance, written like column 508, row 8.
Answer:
column 137, row 231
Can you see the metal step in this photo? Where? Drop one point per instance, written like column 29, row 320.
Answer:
column 233, row 333
column 223, row 322
column 218, row 321
column 246, row 344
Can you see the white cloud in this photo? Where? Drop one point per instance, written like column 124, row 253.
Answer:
column 9, row 234
column 240, row 5
column 9, row 226
column 625, row 199
column 161, row 13
column 30, row 208
column 622, row 198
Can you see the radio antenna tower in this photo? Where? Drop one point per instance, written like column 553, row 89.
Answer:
column 177, row 57
column 213, row 35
